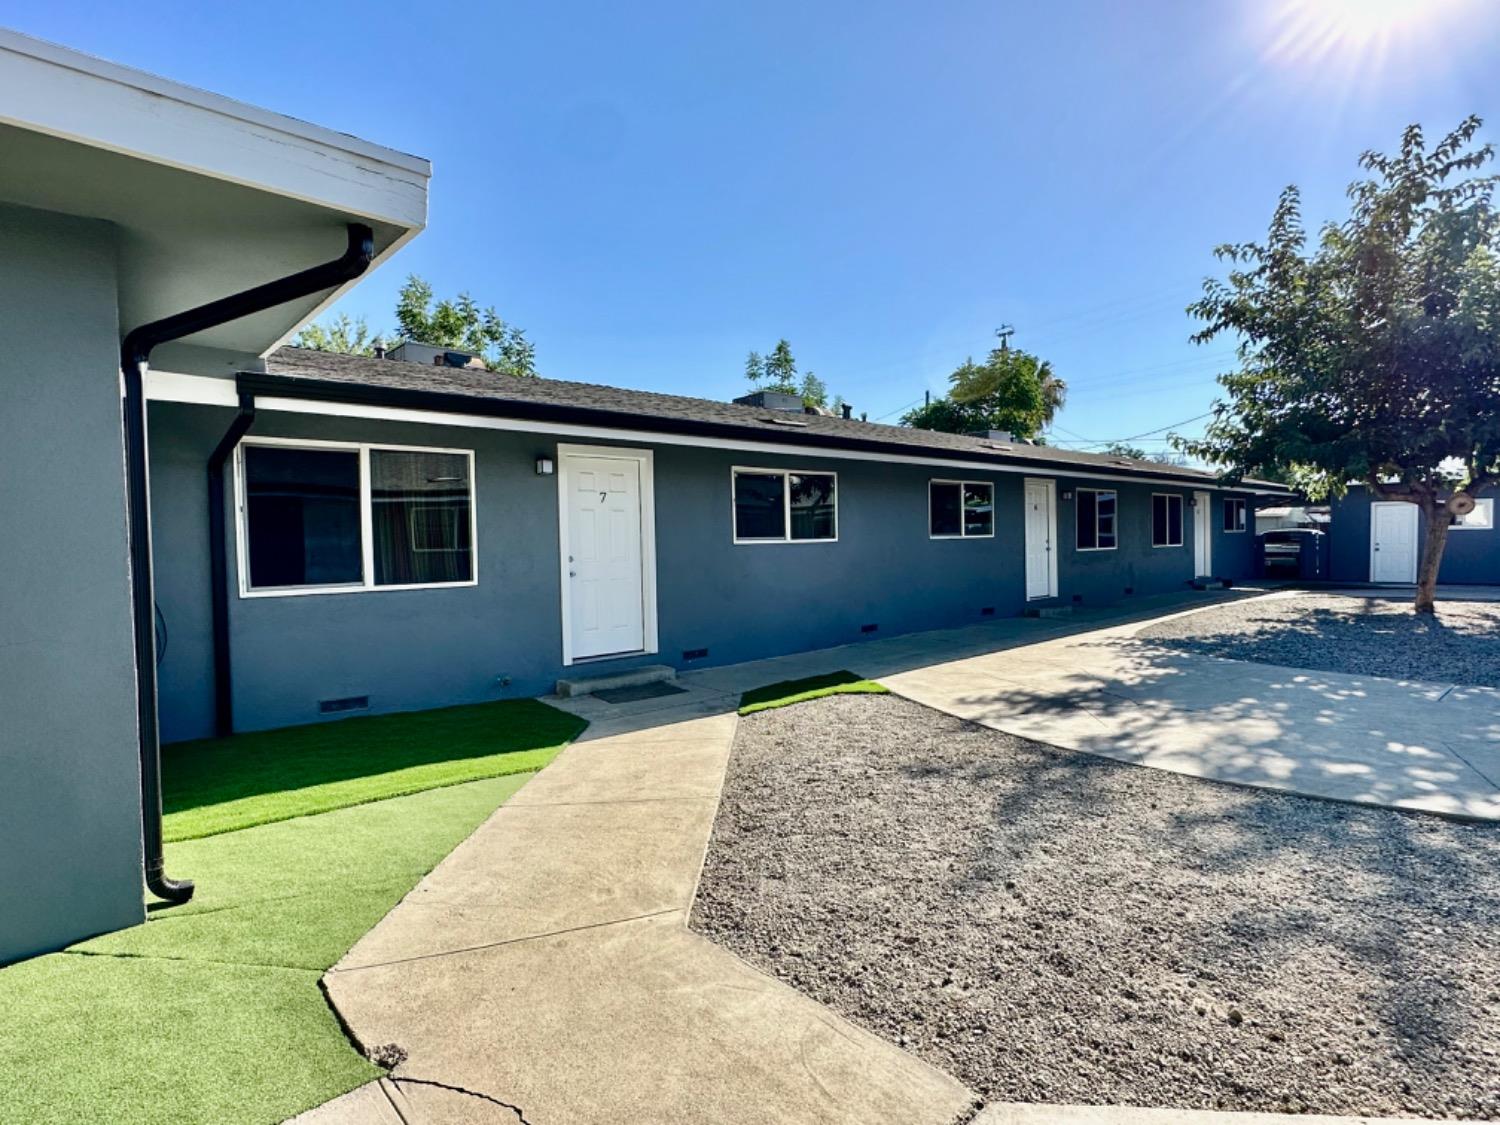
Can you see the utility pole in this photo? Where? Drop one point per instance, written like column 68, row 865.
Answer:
column 1005, row 332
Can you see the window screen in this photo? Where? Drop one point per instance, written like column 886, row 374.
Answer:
column 812, row 505
column 979, row 509
column 759, row 506
column 960, row 509
column 302, row 515
column 945, row 508
column 1096, row 519
column 1166, row 520
column 419, row 517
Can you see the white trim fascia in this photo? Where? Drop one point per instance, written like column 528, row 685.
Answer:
column 367, row 583
column 962, row 484
column 646, row 459
column 786, row 504
column 177, row 391
column 64, row 93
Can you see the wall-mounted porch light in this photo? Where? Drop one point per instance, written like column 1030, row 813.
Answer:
column 544, row 466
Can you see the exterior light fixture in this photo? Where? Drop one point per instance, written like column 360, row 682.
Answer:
column 544, row 466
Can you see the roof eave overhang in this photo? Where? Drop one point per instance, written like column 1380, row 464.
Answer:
column 438, row 402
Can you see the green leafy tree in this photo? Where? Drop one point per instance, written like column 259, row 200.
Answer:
column 460, row 323
column 345, row 334
column 1011, row 390
column 1372, row 354
column 781, row 370
column 1123, row 449
column 778, row 372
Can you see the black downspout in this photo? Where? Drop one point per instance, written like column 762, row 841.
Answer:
column 218, row 564
column 135, row 355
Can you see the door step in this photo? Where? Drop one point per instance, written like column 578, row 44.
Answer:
column 1212, row 583
column 1049, row 611
column 635, row 677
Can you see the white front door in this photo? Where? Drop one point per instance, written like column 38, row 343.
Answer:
column 1393, row 541
column 606, row 601
column 1203, row 532
column 1041, row 529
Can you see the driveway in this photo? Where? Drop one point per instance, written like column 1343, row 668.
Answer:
column 1113, row 692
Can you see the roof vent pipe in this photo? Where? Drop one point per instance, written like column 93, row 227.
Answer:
column 848, row 411
column 135, row 356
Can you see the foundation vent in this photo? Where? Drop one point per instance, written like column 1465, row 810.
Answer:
column 348, row 703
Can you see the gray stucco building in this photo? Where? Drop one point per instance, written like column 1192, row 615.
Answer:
column 210, row 534
column 717, row 556
column 124, row 199
column 1380, row 541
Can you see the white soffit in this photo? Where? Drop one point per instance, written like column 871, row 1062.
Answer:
column 68, row 94
column 209, row 196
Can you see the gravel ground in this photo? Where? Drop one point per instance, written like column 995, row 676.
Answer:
column 1363, row 636
column 1054, row 927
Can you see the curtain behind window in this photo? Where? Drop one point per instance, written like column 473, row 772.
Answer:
column 419, row 508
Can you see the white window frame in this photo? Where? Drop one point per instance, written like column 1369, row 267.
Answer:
column 366, row 585
column 963, row 532
column 1181, row 520
column 1479, row 502
column 786, row 503
column 1115, row 546
column 1243, row 521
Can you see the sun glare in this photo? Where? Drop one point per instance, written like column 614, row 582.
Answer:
column 1359, row 31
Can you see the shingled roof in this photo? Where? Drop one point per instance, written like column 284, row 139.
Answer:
column 298, row 372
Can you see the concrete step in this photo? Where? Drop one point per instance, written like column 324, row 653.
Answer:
column 634, row 677
column 1065, row 610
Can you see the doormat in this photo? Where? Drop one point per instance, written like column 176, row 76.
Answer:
column 637, row 692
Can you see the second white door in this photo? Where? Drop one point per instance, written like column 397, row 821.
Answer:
column 1393, row 542
column 605, row 577
column 1203, row 535
column 1041, row 527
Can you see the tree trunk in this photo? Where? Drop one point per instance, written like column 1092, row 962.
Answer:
column 1436, row 538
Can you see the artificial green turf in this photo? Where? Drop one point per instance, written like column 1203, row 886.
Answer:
column 225, row 784
column 800, row 691
column 211, row 1011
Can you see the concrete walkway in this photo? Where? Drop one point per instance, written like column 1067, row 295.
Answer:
column 1428, row 746
column 544, row 971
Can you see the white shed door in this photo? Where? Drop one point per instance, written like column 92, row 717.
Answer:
column 1040, row 582
column 605, row 594
column 1393, row 542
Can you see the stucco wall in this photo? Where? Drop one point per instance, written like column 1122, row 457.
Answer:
column 69, row 801
column 424, row 648
column 1470, row 557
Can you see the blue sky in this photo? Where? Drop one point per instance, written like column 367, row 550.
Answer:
column 651, row 189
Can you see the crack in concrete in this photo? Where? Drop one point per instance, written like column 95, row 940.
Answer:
column 507, row 941
column 520, row 1116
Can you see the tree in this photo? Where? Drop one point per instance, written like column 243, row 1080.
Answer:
column 1122, row 449
column 1373, row 355
column 350, row 336
column 778, row 372
column 461, row 324
column 1012, row 390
